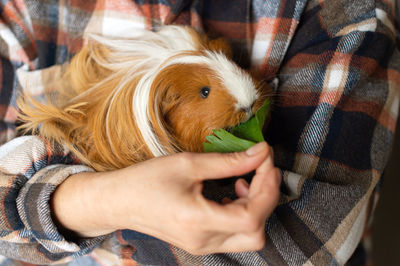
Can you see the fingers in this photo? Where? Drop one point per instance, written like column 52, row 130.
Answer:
column 234, row 225
column 243, row 215
column 242, row 188
column 264, row 189
column 256, row 202
column 238, row 233
column 217, row 165
column 244, row 242
column 236, row 242
column 267, row 177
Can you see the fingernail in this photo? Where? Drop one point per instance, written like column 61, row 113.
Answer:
column 256, row 148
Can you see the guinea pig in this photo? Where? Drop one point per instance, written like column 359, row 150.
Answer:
column 123, row 101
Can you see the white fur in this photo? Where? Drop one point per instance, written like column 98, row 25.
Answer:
column 238, row 84
column 152, row 52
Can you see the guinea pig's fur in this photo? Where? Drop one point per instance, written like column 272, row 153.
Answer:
column 127, row 100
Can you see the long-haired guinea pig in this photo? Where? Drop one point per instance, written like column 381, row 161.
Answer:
column 128, row 100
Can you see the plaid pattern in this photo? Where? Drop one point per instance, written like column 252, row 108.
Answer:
column 332, row 124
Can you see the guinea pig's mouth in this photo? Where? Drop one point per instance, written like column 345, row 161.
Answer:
column 247, row 116
column 228, row 129
column 243, row 118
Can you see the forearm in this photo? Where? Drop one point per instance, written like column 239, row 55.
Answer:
column 91, row 204
column 82, row 204
column 31, row 169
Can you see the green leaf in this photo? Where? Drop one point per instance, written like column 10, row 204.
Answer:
column 241, row 137
column 252, row 128
column 223, row 141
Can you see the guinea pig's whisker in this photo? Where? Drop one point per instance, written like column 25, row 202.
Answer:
column 267, row 94
column 277, row 75
column 260, row 84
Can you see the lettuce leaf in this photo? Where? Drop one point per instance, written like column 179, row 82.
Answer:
column 240, row 137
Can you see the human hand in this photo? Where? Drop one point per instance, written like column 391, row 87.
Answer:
column 169, row 189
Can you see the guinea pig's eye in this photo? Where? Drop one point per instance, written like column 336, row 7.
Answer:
column 204, row 92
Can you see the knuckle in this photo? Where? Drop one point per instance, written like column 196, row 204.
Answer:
column 250, row 223
column 253, row 225
column 275, row 179
column 233, row 158
column 187, row 220
column 278, row 176
column 259, row 241
column 195, row 252
column 271, row 152
column 185, row 160
column 194, row 248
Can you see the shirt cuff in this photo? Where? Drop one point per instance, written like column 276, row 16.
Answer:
column 33, row 204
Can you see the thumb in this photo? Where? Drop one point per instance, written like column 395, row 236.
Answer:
column 222, row 165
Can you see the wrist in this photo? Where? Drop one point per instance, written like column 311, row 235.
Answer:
column 81, row 205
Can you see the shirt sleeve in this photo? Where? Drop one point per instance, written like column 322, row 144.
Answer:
column 30, row 168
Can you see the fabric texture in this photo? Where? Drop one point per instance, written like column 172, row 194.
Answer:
column 331, row 128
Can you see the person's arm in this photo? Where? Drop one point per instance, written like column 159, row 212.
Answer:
column 88, row 205
column 42, row 221
column 30, row 170
column 169, row 189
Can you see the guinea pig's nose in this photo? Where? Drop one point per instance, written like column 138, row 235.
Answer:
column 248, row 110
column 245, row 110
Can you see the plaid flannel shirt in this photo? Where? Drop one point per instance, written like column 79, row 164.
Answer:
column 332, row 123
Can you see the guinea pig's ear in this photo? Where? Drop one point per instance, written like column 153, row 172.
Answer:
column 220, row 45
column 167, row 102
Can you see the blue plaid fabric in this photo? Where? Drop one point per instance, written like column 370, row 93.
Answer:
column 332, row 123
